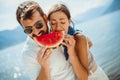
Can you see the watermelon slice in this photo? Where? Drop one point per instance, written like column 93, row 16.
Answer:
column 50, row 40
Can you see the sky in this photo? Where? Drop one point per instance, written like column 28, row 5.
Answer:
column 8, row 9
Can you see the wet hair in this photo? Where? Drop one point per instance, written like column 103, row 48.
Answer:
column 26, row 9
column 59, row 7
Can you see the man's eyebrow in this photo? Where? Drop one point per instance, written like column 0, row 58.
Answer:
column 37, row 22
column 34, row 24
column 28, row 26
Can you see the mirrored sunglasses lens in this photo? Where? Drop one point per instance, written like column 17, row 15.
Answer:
column 28, row 31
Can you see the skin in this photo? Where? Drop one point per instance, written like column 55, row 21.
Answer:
column 44, row 54
column 78, row 43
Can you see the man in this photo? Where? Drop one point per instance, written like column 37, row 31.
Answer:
column 34, row 22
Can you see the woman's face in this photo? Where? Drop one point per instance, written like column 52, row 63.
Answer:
column 59, row 21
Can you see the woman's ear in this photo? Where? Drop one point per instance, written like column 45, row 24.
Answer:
column 45, row 17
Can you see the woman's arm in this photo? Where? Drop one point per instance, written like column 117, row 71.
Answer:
column 82, row 49
column 89, row 42
column 79, row 69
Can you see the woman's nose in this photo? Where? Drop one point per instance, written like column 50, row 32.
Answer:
column 57, row 27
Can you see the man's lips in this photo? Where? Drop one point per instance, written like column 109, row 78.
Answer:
column 40, row 33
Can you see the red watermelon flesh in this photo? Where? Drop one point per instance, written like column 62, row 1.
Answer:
column 51, row 40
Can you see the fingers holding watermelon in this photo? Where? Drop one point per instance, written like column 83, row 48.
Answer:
column 43, row 56
column 69, row 42
column 47, row 54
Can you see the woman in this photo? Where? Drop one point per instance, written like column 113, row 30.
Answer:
column 43, row 63
column 77, row 45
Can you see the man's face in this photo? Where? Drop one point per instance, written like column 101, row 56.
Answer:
column 35, row 26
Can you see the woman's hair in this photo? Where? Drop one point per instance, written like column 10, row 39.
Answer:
column 62, row 8
column 26, row 9
column 59, row 7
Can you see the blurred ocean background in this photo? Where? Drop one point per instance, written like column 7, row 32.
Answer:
column 98, row 19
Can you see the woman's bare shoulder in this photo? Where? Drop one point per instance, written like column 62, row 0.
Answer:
column 80, row 36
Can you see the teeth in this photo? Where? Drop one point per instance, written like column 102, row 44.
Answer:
column 39, row 34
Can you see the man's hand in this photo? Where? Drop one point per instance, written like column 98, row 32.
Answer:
column 43, row 59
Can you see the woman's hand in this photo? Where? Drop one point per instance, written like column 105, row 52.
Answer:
column 69, row 42
column 80, row 71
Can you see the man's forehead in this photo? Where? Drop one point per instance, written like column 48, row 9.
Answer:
column 26, row 6
column 34, row 18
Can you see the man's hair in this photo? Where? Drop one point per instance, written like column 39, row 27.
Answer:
column 26, row 9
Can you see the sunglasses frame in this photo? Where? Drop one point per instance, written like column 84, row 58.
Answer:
column 37, row 25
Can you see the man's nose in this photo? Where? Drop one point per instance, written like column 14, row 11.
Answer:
column 35, row 30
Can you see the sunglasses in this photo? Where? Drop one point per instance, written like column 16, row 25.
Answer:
column 29, row 30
